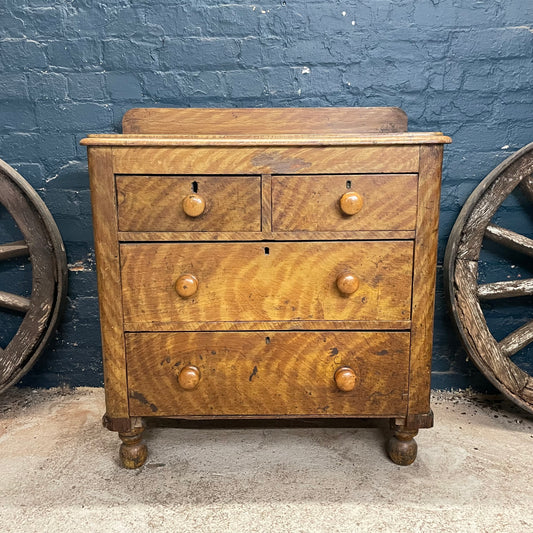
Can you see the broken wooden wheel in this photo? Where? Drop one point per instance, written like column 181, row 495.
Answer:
column 42, row 244
column 467, row 296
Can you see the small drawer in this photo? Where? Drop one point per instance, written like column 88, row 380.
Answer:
column 189, row 203
column 268, row 373
column 344, row 202
column 170, row 285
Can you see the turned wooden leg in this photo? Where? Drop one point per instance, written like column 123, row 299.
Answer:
column 402, row 446
column 133, row 451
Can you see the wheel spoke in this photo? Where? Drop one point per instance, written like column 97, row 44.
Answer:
column 14, row 302
column 505, row 289
column 13, row 249
column 517, row 340
column 510, row 239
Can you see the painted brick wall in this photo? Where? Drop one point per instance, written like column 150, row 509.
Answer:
column 72, row 67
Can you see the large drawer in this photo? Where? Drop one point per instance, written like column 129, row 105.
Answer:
column 267, row 373
column 344, row 202
column 277, row 281
column 161, row 203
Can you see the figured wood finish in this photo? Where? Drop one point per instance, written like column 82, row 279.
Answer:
column 312, row 203
column 345, row 379
column 265, row 281
column 424, row 278
column 155, row 203
column 265, row 160
column 175, row 236
column 264, row 121
column 106, row 247
column 268, row 373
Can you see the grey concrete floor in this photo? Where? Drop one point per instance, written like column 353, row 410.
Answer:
column 59, row 472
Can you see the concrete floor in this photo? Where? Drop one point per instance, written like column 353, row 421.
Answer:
column 59, row 472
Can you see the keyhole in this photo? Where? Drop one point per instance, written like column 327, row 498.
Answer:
column 267, row 250
column 194, row 186
column 348, row 184
column 267, row 340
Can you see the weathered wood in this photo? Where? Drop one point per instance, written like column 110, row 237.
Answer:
column 105, row 224
column 154, row 203
column 42, row 242
column 265, row 160
column 264, row 121
column 517, row 340
column 510, row 239
column 268, row 373
column 13, row 249
column 14, row 302
column 461, row 273
column 311, row 203
column 505, row 289
column 265, row 281
column 424, row 274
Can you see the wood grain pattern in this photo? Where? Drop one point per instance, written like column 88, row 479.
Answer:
column 175, row 236
column 311, row 203
column 106, row 246
column 269, row 373
column 425, row 260
column 264, row 121
column 265, row 160
column 154, row 203
column 239, row 141
column 265, row 281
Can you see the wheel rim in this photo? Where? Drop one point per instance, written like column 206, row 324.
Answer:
column 43, row 245
column 465, row 295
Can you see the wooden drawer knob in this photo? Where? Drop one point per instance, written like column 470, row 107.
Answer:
column 347, row 283
column 189, row 377
column 193, row 205
column 351, row 203
column 345, row 379
column 186, row 285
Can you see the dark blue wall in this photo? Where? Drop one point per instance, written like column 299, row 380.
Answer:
column 72, row 67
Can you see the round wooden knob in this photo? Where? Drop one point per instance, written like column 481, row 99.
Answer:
column 193, row 205
column 189, row 377
column 186, row 285
column 347, row 283
column 345, row 379
column 351, row 203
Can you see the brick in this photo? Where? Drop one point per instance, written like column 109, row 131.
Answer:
column 231, row 20
column 74, row 117
column 198, row 54
column 204, row 84
column 124, row 86
column 127, row 55
column 181, row 21
column 13, row 86
column 86, row 86
column 47, row 86
column 162, row 86
column 33, row 173
column 21, row 55
column 79, row 54
column 17, row 116
column 244, row 83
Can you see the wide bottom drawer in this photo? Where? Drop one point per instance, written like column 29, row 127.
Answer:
column 267, row 373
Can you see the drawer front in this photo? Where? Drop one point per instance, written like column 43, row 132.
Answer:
column 344, row 203
column 189, row 203
column 268, row 373
column 275, row 281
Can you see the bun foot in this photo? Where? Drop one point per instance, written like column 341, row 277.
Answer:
column 402, row 446
column 133, row 451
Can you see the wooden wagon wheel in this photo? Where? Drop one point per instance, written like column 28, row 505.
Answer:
column 473, row 224
column 43, row 245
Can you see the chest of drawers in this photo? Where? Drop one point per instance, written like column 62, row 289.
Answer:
column 266, row 263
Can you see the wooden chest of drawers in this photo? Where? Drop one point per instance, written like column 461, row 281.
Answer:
column 266, row 263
